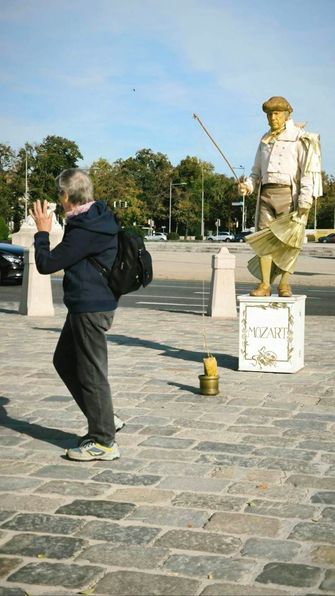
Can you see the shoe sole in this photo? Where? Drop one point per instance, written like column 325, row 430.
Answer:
column 90, row 458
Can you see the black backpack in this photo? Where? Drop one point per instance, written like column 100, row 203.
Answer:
column 132, row 267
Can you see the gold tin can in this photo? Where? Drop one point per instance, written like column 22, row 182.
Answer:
column 209, row 385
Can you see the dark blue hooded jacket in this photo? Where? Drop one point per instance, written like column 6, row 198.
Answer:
column 93, row 233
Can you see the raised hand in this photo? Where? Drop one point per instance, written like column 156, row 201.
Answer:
column 40, row 215
column 243, row 189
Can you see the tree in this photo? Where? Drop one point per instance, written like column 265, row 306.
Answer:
column 7, row 169
column 186, row 209
column 151, row 173
column 50, row 157
column 44, row 162
column 221, row 192
column 185, row 215
column 4, row 230
column 325, row 205
column 113, row 184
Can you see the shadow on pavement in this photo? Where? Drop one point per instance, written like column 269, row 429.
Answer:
column 54, row 436
column 183, row 387
column 181, row 311
column 224, row 360
column 311, row 273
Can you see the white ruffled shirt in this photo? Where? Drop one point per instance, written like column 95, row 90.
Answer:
column 283, row 160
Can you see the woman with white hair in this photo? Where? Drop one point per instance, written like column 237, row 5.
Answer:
column 81, row 354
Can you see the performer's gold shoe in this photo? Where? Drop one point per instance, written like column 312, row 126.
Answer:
column 261, row 290
column 284, row 291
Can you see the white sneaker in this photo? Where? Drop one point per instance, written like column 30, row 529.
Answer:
column 118, row 423
column 89, row 451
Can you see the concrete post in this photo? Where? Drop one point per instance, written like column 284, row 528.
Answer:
column 222, row 301
column 36, row 294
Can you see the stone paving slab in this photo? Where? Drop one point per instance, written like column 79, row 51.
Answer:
column 231, row 494
column 143, row 584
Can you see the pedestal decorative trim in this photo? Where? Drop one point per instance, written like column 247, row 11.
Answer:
column 271, row 333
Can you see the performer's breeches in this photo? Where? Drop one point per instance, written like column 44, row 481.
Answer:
column 275, row 200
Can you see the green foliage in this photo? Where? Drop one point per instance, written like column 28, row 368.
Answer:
column 49, row 159
column 44, row 162
column 4, row 230
column 325, row 205
column 117, row 187
column 136, row 230
column 173, row 236
column 138, row 188
column 151, row 173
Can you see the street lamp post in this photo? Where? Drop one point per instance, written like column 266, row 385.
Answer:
column 202, row 227
column 243, row 198
column 170, row 201
column 25, row 198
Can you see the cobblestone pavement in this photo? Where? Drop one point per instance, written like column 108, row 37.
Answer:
column 233, row 494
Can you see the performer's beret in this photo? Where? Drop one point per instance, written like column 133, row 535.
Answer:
column 277, row 104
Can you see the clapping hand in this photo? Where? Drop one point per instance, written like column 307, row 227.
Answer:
column 303, row 211
column 301, row 215
column 243, row 189
column 40, row 215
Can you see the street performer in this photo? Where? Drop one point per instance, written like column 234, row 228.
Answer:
column 287, row 172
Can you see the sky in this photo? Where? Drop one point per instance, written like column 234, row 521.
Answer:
column 117, row 76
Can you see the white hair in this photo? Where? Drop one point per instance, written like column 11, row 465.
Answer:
column 77, row 185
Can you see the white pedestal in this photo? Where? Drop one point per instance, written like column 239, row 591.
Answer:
column 36, row 293
column 272, row 332
column 25, row 237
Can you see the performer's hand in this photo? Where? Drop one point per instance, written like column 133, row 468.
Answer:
column 243, row 189
column 42, row 218
column 303, row 211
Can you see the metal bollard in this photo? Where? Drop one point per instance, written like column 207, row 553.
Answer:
column 222, row 301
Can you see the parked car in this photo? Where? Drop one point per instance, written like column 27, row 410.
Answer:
column 240, row 236
column 329, row 238
column 159, row 236
column 11, row 262
column 221, row 237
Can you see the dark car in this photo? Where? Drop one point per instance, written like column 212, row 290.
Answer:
column 11, row 262
column 240, row 236
column 329, row 238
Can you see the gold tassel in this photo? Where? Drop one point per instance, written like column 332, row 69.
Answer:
column 210, row 366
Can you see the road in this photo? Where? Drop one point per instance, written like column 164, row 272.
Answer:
column 187, row 296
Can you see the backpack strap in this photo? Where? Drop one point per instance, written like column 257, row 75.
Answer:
column 104, row 271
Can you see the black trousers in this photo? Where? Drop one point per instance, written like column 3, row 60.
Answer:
column 81, row 361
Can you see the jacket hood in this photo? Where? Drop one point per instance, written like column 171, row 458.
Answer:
column 97, row 219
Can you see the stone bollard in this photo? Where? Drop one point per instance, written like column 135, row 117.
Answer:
column 36, row 294
column 222, row 301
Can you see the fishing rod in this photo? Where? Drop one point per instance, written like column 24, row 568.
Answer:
column 196, row 117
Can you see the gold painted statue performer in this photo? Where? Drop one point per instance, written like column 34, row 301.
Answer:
column 287, row 172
